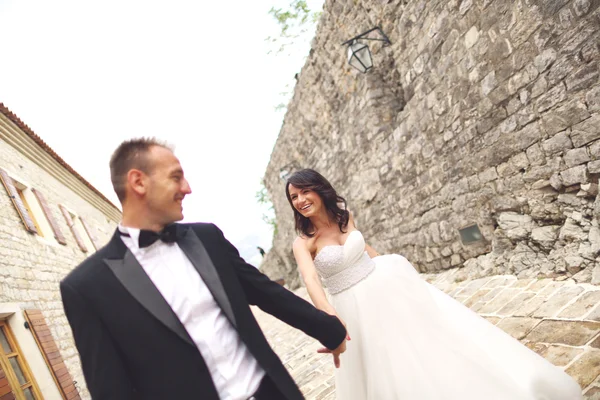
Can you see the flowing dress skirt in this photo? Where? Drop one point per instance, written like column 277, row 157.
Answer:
column 411, row 341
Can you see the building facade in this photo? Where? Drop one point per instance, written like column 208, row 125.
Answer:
column 51, row 219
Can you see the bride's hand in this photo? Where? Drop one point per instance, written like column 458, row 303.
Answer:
column 336, row 353
column 345, row 326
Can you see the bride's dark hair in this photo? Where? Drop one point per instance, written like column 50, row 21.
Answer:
column 311, row 179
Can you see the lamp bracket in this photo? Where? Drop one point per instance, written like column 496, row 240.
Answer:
column 385, row 39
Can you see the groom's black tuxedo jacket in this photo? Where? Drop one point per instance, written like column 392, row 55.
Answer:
column 133, row 347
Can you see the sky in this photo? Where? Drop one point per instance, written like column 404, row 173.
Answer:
column 87, row 75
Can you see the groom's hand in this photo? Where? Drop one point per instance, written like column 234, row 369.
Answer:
column 341, row 348
column 336, row 353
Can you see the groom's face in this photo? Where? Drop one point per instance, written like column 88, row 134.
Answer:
column 167, row 186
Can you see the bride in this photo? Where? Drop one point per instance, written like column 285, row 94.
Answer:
column 408, row 340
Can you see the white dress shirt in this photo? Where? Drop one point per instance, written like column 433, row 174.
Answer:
column 235, row 372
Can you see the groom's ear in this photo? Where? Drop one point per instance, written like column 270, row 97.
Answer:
column 137, row 182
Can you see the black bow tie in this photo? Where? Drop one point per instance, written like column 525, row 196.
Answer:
column 148, row 237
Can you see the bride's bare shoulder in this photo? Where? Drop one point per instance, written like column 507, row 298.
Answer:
column 304, row 243
column 301, row 242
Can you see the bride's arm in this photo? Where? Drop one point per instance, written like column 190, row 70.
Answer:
column 370, row 251
column 311, row 278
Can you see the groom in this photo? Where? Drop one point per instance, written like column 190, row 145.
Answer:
column 162, row 311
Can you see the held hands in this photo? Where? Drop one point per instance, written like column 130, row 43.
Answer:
column 339, row 350
column 336, row 353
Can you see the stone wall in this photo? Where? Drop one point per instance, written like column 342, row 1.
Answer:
column 480, row 112
column 32, row 267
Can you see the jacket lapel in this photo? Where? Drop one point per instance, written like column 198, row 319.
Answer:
column 133, row 277
column 197, row 254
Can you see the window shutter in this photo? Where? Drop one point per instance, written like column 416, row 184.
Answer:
column 71, row 224
column 18, row 203
column 91, row 234
column 60, row 238
column 45, row 341
column 5, row 389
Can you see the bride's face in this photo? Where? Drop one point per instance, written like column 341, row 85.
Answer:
column 306, row 201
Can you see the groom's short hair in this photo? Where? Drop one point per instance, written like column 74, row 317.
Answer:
column 131, row 154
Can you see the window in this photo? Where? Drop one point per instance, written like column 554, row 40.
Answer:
column 15, row 367
column 17, row 200
column 38, row 217
column 33, row 209
column 78, row 226
column 54, row 367
column 91, row 233
column 77, row 229
column 84, row 232
column 24, row 194
column 53, row 227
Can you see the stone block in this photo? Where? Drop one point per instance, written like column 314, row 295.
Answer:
column 594, row 167
column 592, row 99
column 473, row 287
column 539, row 348
column 526, row 115
column 557, row 301
column 595, row 314
column 557, row 144
column 539, row 285
column 499, row 301
column 534, row 174
column 471, row 37
column 544, row 60
column 576, row 157
column 575, row 175
column 512, row 306
column 570, row 333
column 518, row 327
column 584, row 304
column 535, row 154
column 551, row 98
column 488, row 83
column 527, row 308
column 539, row 87
column 583, row 78
column 560, row 355
column 522, row 283
column 586, row 368
column 581, row 7
column 570, row 113
column 545, row 235
column 586, row 131
column 477, row 297
column 492, row 320
column 592, row 392
column 515, row 225
column 572, row 231
column 596, row 281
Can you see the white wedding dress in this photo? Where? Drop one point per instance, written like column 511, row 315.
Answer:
column 410, row 341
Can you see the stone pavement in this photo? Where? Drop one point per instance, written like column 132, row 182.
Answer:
column 313, row 372
column 558, row 319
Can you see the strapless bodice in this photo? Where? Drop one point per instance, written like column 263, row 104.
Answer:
column 343, row 266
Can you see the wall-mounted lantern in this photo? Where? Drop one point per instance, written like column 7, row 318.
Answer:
column 359, row 54
column 287, row 170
